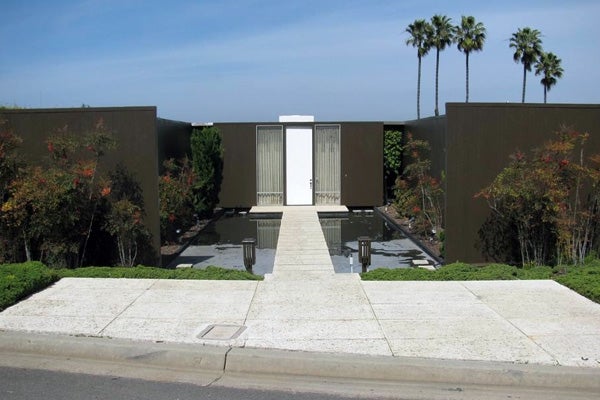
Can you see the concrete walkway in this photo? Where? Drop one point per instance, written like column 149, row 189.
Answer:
column 305, row 306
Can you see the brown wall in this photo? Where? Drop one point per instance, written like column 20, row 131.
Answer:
column 173, row 139
column 480, row 139
column 134, row 128
column 433, row 130
column 238, row 189
column 362, row 164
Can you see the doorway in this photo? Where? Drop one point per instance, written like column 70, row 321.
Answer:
column 299, row 165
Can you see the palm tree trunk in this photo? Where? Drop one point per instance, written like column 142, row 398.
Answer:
column 467, row 69
column 437, row 67
column 524, row 83
column 419, row 90
column 545, row 90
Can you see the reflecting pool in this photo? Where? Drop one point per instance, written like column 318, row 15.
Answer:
column 220, row 243
column 390, row 248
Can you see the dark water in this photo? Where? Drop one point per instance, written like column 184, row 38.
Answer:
column 390, row 248
column 220, row 243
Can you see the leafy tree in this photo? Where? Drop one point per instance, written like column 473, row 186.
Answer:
column 54, row 207
column 551, row 198
column 441, row 36
column 124, row 218
column 9, row 162
column 176, row 193
column 392, row 156
column 207, row 161
column 528, row 48
column 420, row 31
column 469, row 37
column 419, row 196
column 124, row 222
column 548, row 65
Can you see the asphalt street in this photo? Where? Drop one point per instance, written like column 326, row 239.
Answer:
column 30, row 384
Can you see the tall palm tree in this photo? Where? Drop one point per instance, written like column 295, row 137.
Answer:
column 528, row 48
column 469, row 36
column 549, row 66
column 441, row 36
column 419, row 31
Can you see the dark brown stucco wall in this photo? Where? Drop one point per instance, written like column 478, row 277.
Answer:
column 238, row 189
column 433, row 130
column 362, row 164
column 135, row 131
column 173, row 138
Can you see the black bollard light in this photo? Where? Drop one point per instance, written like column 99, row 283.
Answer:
column 364, row 252
column 249, row 248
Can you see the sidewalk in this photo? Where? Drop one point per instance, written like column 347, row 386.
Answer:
column 305, row 306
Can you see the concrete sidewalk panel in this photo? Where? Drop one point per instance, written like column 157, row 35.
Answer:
column 430, row 311
column 416, row 292
column 345, row 346
column 167, row 330
column 508, row 349
column 572, row 350
column 309, row 311
column 67, row 325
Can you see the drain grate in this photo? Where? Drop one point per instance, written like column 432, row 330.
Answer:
column 221, row 332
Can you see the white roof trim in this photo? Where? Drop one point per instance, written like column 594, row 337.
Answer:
column 296, row 118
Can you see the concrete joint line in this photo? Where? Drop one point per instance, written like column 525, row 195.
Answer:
column 126, row 308
column 554, row 358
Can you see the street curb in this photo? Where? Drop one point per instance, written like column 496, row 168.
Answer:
column 404, row 369
column 173, row 355
column 221, row 361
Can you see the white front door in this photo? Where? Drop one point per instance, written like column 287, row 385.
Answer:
column 299, row 166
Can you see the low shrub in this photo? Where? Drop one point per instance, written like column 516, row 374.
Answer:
column 459, row 272
column 18, row 281
column 584, row 280
column 142, row 272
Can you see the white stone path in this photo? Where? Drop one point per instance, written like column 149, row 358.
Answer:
column 304, row 305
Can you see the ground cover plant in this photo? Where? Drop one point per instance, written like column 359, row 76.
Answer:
column 584, row 280
column 142, row 272
column 18, row 281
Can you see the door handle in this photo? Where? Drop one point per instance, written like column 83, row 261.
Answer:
column 310, row 183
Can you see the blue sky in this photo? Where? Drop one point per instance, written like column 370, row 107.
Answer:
column 256, row 59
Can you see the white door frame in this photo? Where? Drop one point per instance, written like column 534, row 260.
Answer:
column 299, row 165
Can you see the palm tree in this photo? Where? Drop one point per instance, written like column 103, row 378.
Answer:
column 419, row 31
column 549, row 66
column 469, row 36
column 528, row 48
column 442, row 36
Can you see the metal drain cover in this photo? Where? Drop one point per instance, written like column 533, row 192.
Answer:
column 221, row 332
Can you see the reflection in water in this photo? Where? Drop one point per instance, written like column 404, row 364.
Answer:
column 267, row 233
column 389, row 247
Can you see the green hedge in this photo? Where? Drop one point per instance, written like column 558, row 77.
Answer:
column 583, row 280
column 18, row 281
column 459, row 272
column 141, row 272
